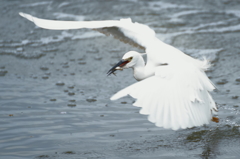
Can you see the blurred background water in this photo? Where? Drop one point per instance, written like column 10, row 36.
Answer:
column 54, row 92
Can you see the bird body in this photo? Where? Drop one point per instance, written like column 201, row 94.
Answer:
column 173, row 89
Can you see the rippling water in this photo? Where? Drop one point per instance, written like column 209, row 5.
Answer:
column 54, row 92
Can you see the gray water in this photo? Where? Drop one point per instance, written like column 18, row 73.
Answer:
column 54, row 92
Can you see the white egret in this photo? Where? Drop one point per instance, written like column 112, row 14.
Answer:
column 173, row 89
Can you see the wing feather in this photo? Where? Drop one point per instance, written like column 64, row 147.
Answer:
column 176, row 97
column 118, row 34
column 125, row 30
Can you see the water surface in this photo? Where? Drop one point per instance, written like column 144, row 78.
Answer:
column 54, row 92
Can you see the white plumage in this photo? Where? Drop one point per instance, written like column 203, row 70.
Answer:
column 173, row 88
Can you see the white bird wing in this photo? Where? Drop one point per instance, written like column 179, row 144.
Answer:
column 125, row 30
column 176, row 97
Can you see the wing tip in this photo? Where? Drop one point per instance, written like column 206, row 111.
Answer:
column 113, row 98
column 22, row 14
column 119, row 95
column 27, row 16
column 116, row 96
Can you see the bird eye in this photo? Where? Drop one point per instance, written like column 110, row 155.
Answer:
column 130, row 58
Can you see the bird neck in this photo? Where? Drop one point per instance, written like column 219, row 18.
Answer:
column 139, row 69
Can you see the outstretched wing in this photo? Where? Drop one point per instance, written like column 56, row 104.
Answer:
column 125, row 30
column 176, row 97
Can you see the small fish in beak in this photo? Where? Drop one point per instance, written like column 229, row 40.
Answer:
column 118, row 66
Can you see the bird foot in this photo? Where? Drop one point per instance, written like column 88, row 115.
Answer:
column 215, row 119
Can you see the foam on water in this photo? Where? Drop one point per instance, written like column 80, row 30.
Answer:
column 73, row 36
column 36, row 4
column 200, row 30
column 63, row 4
column 87, row 35
column 16, row 48
column 184, row 13
column 157, row 5
column 210, row 54
column 234, row 12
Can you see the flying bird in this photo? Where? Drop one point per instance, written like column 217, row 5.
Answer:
column 173, row 89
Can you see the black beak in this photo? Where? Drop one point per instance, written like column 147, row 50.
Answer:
column 119, row 64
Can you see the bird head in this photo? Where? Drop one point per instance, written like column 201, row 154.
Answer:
column 128, row 60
